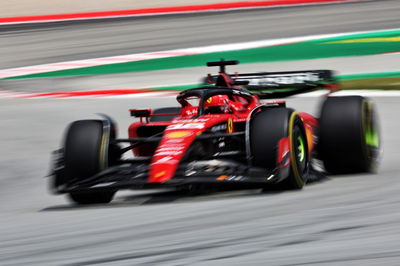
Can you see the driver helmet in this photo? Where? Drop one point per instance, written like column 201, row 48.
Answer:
column 218, row 104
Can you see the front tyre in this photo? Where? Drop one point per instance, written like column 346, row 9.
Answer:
column 267, row 129
column 86, row 152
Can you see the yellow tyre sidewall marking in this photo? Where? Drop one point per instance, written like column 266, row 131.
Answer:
column 102, row 153
column 295, row 167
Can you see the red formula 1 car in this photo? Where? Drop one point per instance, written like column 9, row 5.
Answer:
column 221, row 135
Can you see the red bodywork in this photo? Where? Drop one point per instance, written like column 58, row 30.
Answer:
column 180, row 133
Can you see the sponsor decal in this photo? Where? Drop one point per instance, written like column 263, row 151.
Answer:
column 191, row 112
column 187, row 126
column 171, row 148
column 222, row 177
column 174, row 150
column 298, row 78
column 220, row 127
column 178, row 134
column 230, row 178
column 163, row 153
column 173, row 141
column 230, row 126
column 166, row 160
column 209, row 100
column 159, row 174
column 194, row 120
column 235, row 178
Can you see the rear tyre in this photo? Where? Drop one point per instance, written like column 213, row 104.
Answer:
column 165, row 114
column 349, row 140
column 266, row 130
column 85, row 154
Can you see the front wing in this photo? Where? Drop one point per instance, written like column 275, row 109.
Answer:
column 135, row 176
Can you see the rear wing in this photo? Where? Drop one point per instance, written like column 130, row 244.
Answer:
column 282, row 84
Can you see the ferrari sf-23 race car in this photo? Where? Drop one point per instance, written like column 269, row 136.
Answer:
column 223, row 134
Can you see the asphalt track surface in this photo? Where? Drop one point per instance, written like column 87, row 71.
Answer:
column 342, row 220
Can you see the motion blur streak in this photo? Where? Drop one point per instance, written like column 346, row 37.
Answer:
column 63, row 42
column 215, row 7
column 341, row 221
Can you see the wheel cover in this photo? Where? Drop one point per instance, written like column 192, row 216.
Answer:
column 300, row 149
column 371, row 135
column 371, row 131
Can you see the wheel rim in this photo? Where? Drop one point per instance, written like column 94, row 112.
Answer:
column 300, row 149
column 371, row 132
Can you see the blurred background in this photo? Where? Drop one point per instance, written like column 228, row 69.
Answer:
column 55, row 72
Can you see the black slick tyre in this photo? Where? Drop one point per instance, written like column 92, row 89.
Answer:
column 164, row 114
column 349, row 138
column 267, row 128
column 86, row 154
